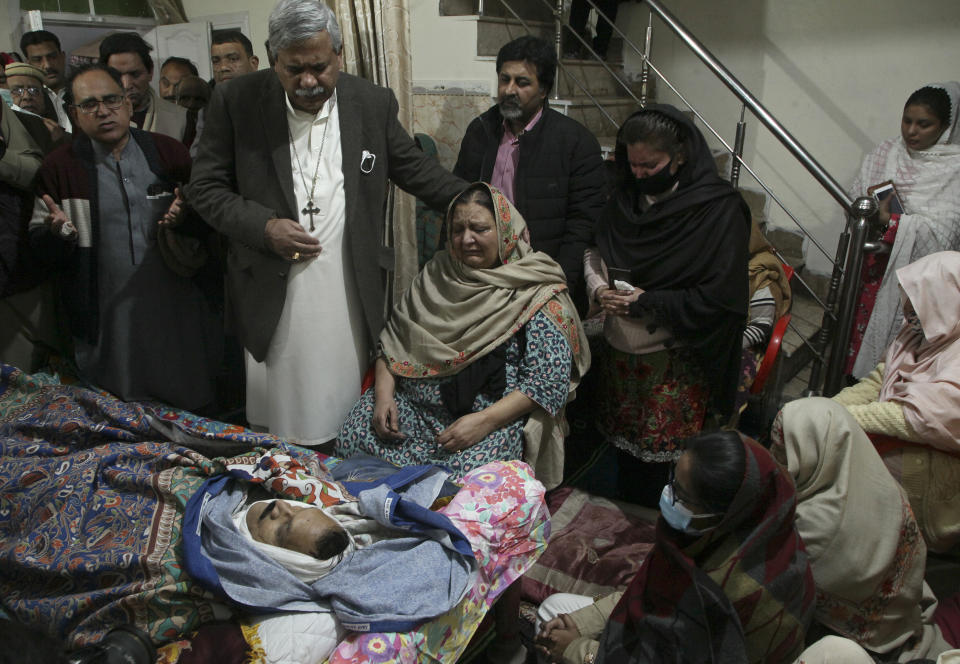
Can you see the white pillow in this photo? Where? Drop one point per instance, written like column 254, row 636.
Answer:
column 295, row 638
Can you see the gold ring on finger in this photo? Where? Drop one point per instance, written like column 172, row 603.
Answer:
column 296, row 256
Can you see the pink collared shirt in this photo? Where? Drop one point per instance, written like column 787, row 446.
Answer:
column 508, row 155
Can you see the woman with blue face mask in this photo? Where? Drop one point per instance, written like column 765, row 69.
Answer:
column 727, row 579
column 669, row 273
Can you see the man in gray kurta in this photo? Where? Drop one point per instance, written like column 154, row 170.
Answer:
column 131, row 260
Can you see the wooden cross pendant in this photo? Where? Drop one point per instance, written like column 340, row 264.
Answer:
column 311, row 209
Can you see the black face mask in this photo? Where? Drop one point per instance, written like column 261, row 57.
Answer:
column 657, row 183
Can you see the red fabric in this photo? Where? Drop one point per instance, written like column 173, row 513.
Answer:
column 885, row 444
column 871, row 275
column 678, row 599
column 216, row 642
column 603, row 545
column 947, row 617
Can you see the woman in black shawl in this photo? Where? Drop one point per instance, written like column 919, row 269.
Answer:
column 678, row 237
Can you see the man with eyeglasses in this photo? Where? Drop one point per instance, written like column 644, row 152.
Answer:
column 29, row 94
column 25, row 83
column 138, row 291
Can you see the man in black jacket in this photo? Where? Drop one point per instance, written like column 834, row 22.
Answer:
column 547, row 164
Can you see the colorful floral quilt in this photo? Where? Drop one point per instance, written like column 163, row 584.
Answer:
column 90, row 503
column 92, row 493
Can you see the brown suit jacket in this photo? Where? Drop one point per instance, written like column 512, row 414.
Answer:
column 242, row 177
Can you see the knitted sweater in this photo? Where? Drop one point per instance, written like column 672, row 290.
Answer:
column 881, row 417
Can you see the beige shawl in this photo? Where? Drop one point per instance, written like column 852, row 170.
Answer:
column 452, row 315
column 765, row 269
column 865, row 547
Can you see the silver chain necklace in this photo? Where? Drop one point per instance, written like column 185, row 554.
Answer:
column 311, row 207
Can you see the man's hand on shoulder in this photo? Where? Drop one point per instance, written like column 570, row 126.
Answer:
column 290, row 241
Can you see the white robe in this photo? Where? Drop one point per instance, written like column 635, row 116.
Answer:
column 311, row 376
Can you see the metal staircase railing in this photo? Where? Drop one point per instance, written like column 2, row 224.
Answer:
column 827, row 347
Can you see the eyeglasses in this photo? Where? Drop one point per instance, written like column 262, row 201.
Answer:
column 19, row 91
column 110, row 102
column 681, row 495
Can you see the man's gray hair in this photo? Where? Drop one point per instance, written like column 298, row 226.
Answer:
column 293, row 21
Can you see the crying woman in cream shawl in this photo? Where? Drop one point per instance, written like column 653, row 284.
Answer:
column 479, row 356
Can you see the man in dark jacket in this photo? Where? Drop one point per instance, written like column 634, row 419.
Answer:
column 138, row 286
column 547, row 164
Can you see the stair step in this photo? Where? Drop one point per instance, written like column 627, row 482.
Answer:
column 495, row 31
column 584, row 111
column 527, row 9
column 595, row 77
column 757, row 202
column 789, row 243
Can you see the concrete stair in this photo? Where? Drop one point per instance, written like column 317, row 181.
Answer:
column 495, row 31
column 535, row 10
column 595, row 77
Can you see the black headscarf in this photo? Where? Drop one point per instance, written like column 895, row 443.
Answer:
column 688, row 252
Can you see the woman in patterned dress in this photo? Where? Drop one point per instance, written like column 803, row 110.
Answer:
column 480, row 355
column 924, row 165
column 679, row 236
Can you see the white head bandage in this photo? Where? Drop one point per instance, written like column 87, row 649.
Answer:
column 304, row 567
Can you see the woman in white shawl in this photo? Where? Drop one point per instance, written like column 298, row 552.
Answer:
column 924, row 165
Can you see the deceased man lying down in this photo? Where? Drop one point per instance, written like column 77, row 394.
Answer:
column 132, row 514
column 382, row 559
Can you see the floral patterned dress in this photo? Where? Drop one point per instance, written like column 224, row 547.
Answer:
column 539, row 369
column 647, row 403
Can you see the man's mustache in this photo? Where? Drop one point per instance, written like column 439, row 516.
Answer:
column 310, row 92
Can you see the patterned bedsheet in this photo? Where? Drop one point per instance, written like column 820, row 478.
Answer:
column 92, row 492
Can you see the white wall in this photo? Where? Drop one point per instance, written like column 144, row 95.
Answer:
column 258, row 12
column 8, row 21
column 443, row 48
column 835, row 74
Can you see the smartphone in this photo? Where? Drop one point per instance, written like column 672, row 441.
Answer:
column 615, row 274
column 886, row 190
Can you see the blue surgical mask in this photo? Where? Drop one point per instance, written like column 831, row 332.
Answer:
column 678, row 515
column 674, row 513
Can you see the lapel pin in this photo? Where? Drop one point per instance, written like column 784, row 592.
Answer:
column 367, row 160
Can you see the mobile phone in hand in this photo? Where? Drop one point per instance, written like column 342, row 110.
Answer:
column 615, row 274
